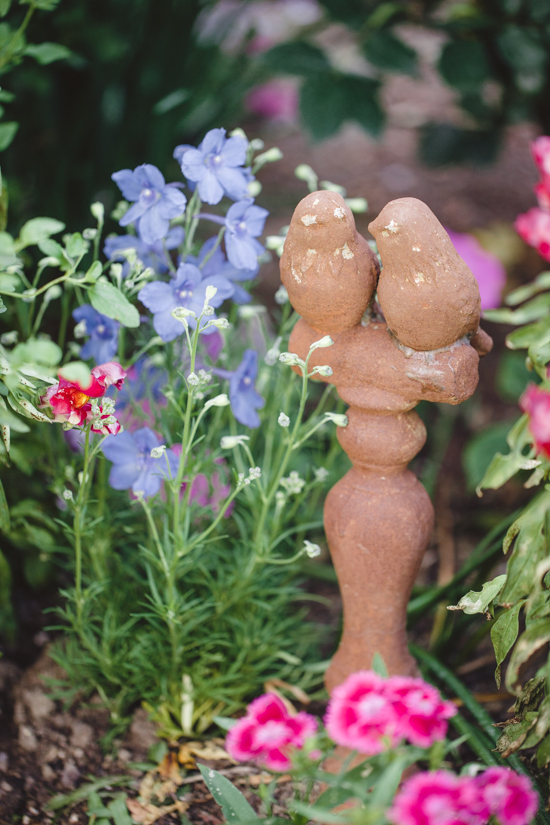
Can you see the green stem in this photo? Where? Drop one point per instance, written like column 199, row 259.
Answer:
column 77, row 526
column 16, row 37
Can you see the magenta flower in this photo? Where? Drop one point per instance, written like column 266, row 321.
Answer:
column 276, row 100
column 536, row 403
column 361, row 714
column 486, row 268
column 534, row 227
column 439, row 798
column 268, row 733
column 421, row 712
column 509, row 796
column 540, row 149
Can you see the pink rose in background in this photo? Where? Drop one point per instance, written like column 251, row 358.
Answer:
column 439, row 798
column 541, row 155
column 275, row 100
column 536, row 403
column 488, row 271
column 421, row 712
column 509, row 796
column 534, row 226
column 268, row 733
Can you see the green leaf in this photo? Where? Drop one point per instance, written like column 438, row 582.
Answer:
column 327, row 100
column 512, row 376
column 297, row 57
column 4, row 511
column 480, row 450
column 75, row 245
column 13, row 421
column 523, row 50
column 379, row 665
column 464, row 64
column 384, row 50
column 525, row 337
column 543, row 753
column 514, row 735
column 224, row 722
column 533, row 310
column 110, row 301
column 38, row 229
column 504, row 633
column 3, row 307
column 119, row 812
column 361, row 96
column 478, row 602
column 51, row 248
column 45, row 53
column 443, row 143
column 501, row 469
column 233, row 804
column 4, row 7
column 76, row 371
column 530, row 641
column 522, row 293
column 94, row 272
column 37, row 351
column 171, row 101
column 7, row 133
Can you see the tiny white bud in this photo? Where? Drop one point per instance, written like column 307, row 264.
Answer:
column 321, row 474
column 323, row 370
column 98, row 211
column 312, row 550
column 210, row 291
column 219, row 323
column 326, row 341
column 238, row 132
column 116, row 270
column 290, row 358
column 230, row 441
column 333, row 187
column 80, row 330
column 208, row 310
column 89, row 234
column 273, row 353
column 256, row 144
column 281, row 296
column 305, row 172
column 254, row 188
column 337, row 418
column 193, row 379
column 283, row 420
column 8, row 338
column 53, row 293
column 68, row 495
column 182, row 312
column 219, row 401
column 158, row 452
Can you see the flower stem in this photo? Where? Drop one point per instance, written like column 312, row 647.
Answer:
column 77, row 526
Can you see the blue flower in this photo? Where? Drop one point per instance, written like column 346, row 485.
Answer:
column 132, row 463
column 217, row 264
column 242, row 394
column 244, row 223
column 215, row 166
column 156, row 202
column 186, row 289
column 153, row 255
column 102, row 344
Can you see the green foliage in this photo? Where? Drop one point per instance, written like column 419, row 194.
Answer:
column 328, row 100
column 234, row 806
column 111, row 302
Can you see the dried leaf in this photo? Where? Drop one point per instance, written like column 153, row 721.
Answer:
column 169, row 767
column 146, row 814
column 296, row 691
column 209, row 750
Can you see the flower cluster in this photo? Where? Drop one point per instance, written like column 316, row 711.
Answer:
column 535, row 401
column 369, row 713
column 534, row 226
column 268, row 733
column 76, row 404
column 441, row 798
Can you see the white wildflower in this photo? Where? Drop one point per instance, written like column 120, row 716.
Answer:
column 283, row 420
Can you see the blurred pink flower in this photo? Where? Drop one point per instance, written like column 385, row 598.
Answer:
column 534, row 227
column 536, row 403
column 360, row 714
column 439, row 798
column 200, row 491
column 275, row 100
column 486, row 268
column 541, row 155
column 509, row 796
column 421, row 712
column 542, row 191
column 268, row 733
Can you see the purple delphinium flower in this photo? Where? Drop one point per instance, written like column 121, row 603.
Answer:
column 186, row 289
column 244, row 223
column 244, row 398
column 156, row 202
column 133, row 467
column 488, row 271
column 102, row 344
column 153, row 255
column 217, row 264
column 216, row 166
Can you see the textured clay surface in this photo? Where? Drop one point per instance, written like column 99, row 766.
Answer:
column 329, row 268
column 379, row 518
column 428, row 295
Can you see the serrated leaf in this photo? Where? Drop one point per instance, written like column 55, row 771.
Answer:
column 4, row 511
column 7, row 133
column 109, row 301
column 298, row 57
column 38, row 229
column 530, row 641
column 504, row 633
column 464, row 64
column 233, row 804
column 45, row 53
column 479, row 601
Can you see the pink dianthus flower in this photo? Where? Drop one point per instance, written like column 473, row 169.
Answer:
column 439, row 798
column 360, row 714
column 534, row 227
column 421, row 712
column 540, row 149
column 268, row 733
column 536, row 403
column 509, row 796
